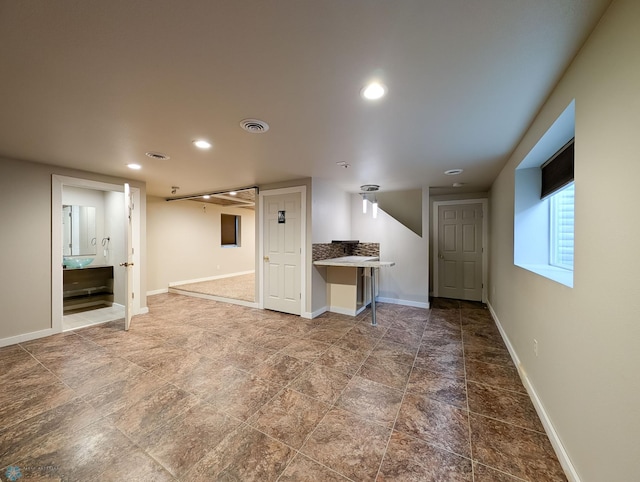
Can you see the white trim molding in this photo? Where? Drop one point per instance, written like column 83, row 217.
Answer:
column 568, row 467
column 12, row 340
column 485, row 241
column 396, row 301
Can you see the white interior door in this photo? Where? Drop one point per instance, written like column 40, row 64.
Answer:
column 282, row 253
column 128, row 263
column 460, row 251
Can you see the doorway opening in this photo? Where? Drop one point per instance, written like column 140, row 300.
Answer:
column 89, row 285
column 216, row 255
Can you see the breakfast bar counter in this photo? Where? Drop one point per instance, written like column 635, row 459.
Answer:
column 368, row 263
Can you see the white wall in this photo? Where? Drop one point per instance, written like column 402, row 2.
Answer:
column 25, row 246
column 184, row 242
column 331, row 208
column 407, row 281
column 114, row 229
column 586, row 374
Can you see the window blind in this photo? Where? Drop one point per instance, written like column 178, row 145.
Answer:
column 557, row 172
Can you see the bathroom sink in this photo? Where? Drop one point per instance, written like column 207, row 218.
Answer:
column 76, row 262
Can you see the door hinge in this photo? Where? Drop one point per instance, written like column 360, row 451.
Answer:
column 133, row 295
column 132, row 250
column 300, row 295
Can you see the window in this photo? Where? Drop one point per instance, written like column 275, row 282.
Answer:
column 229, row 230
column 544, row 204
column 561, row 209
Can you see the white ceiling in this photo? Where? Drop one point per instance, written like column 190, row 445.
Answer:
column 94, row 84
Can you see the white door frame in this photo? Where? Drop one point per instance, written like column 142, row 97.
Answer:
column 57, row 184
column 303, row 243
column 485, row 244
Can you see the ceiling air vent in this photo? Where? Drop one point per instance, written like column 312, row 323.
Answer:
column 157, row 155
column 255, row 126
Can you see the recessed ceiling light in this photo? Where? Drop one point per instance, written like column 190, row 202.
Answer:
column 206, row 196
column 374, row 91
column 232, row 193
column 135, row 167
column 202, row 144
column 453, row 172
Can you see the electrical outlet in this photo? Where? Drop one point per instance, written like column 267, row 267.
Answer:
column 535, row 346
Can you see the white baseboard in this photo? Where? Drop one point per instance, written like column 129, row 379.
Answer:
column 395, row 301
column 143, row 311
column 554, row 438
column 157, row 292
column 343, row 311
column 314, row 314
column 12, row 340
column 209, row 278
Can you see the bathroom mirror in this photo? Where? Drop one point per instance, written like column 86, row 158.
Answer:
column 79, row 230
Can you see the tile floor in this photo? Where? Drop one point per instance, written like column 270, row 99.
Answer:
column 203, row 390
column 96, row 316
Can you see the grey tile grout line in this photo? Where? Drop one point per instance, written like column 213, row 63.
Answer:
column 466, row 391
column 404, row 394
column 333, row 404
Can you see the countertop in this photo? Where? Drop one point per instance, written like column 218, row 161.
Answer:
column 355, row 262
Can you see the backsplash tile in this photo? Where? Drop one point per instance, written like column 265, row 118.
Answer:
column 322, row 251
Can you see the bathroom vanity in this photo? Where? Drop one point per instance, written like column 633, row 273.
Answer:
column 87, row 287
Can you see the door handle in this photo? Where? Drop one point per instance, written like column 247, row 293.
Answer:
column 441, row 256
column 266, row 258
column 126, row 265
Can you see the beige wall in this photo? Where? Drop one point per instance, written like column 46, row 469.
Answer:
column 184, row 242
column 586, row 374
column 331, row 220
column 25, row 245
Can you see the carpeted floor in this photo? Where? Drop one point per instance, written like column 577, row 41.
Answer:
column 240, row 287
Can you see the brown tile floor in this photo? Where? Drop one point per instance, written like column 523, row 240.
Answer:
column 201, row 390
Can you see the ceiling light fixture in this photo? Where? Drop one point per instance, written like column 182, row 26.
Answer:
column 202, row 144
column 135, row 167
column 368, row 194
column 343, row 164
column 206, row 196
column 232, row 193
column 374, row 91
column 453, row 172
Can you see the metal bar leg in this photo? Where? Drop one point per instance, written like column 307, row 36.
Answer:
column 373, row 297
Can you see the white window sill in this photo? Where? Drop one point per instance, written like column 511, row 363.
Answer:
column 559, row 275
